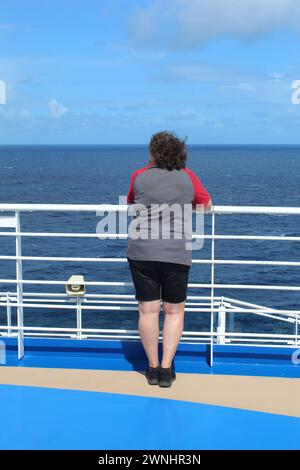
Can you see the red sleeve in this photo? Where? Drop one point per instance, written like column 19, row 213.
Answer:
column 130, row 195
column 201, row 196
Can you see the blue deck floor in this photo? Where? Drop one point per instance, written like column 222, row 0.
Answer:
column 129, row 355
column 42, row 418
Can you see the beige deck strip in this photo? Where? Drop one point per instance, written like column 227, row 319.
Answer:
column 267, row 394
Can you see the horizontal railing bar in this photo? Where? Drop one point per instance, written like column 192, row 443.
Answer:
column 63, row 283
column 86, row 301
column 247, row 342
column 253, row 262
column 93, row 307
column 111, row 307
column 123, row 208
column 61, row 258
column 249, row 237
column 62, row 294
column 72, row 334
column 66, row 307
column 12, row 301
column 64, row 207
column 289, row 343
column 258, row 340
column 136, row 337
column 249, row 286
column 70, row 330
column 187, row 338
column 13, row 295
column 111, row 336
column 124, row 260
column 269, row 210
column 64, row 234
column 125, row 236
column 192, row 333
column 130, row 284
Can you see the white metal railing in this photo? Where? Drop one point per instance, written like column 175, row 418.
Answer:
column 219, row 308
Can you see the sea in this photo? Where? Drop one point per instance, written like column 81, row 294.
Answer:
column 234, row 175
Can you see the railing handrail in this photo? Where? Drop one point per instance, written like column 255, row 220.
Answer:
column 123, row 208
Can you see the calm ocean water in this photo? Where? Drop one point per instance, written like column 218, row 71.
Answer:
column 268, row 176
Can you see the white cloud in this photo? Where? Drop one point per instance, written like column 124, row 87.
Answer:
column 184, row 115
column 194, row 118
column 56, row 109
column 277, row 75
column 243, row 86
column 189, row 23
column 190, row 72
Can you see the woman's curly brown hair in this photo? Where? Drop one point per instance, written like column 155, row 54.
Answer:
column 168, row 151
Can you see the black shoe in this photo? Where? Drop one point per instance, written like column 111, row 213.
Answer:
column 152, row 375
column 166, row 376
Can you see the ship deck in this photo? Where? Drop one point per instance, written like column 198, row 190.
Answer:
column 64, row 397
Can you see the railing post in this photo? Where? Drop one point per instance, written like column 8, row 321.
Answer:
column 8, row 313
column 19, row 277
column 296, row 330
column 221, row 323
column 79, row 317
column 231, row 322
column 212, row 280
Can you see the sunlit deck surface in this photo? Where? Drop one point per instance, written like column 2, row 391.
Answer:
column 94, row 396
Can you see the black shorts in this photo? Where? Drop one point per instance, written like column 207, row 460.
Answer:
column 155, row 280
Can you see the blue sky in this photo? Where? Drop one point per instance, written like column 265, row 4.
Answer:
column 115, row 71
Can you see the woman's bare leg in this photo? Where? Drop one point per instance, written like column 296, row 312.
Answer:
column 173, row 328
column 149, row 329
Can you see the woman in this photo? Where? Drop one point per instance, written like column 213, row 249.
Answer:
column 158, row 253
